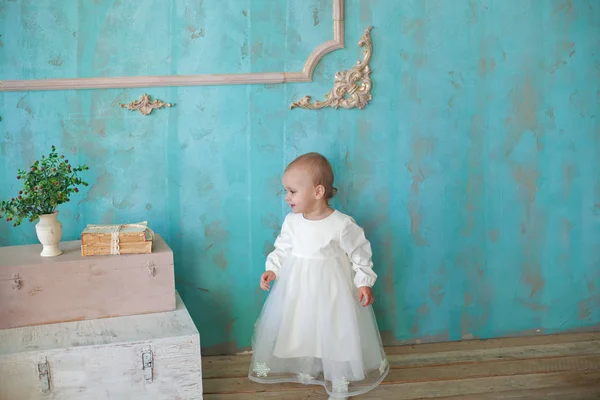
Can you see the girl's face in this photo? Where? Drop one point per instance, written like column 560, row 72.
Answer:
column 301, row 193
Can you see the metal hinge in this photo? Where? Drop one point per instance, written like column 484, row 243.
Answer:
column 147, row 363
column 44, row 376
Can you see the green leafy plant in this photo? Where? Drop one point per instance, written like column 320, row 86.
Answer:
column 48, row 183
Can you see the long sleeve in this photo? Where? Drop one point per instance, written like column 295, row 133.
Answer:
column 358, row 248
column 283, row 244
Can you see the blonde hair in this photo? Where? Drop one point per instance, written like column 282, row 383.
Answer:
column 321, row 171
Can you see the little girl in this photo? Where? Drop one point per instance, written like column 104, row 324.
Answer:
column 316, row 326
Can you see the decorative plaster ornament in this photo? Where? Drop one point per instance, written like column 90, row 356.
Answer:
column 352, row 88
column 145, row 105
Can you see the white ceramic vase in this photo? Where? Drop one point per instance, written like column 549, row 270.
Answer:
column 49, row 233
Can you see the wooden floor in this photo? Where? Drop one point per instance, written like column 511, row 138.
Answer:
column 557, row 367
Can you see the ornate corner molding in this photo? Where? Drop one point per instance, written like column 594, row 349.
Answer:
column 351, row 88
column 305, row 75
column 145, row 105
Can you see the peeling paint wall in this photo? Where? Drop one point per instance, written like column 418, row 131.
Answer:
column 474, row 170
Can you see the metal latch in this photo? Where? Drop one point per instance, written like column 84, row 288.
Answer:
column 44, row 376
column 150, row 266
column 17, row 284
column 147, row 363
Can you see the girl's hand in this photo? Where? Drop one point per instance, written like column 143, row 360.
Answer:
column 366, row 293
column 266, row 278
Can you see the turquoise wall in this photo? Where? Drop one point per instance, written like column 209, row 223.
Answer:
column 474, row 170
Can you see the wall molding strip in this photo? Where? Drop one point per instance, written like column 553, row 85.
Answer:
column 305, row 75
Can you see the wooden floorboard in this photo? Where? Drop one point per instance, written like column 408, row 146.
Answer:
column 565, row 367
column 440, row 353
column 590, row 392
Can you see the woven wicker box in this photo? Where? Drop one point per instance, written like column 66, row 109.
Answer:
column 134, row 238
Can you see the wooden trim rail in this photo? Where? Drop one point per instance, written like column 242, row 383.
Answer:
column 193, row 80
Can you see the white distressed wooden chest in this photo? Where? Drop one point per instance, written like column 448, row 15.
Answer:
column 36, row 290
column 150, row 356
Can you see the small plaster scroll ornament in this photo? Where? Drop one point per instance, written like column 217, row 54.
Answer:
column 145, row 105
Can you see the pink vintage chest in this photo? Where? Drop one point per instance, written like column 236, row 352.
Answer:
column 36, row 290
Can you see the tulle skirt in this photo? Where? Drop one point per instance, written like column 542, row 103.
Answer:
column 313, row 330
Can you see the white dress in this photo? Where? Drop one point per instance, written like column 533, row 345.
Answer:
column 312, row 328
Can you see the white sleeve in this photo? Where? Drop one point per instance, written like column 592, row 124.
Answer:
column 283, row 244
column 358, row 248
